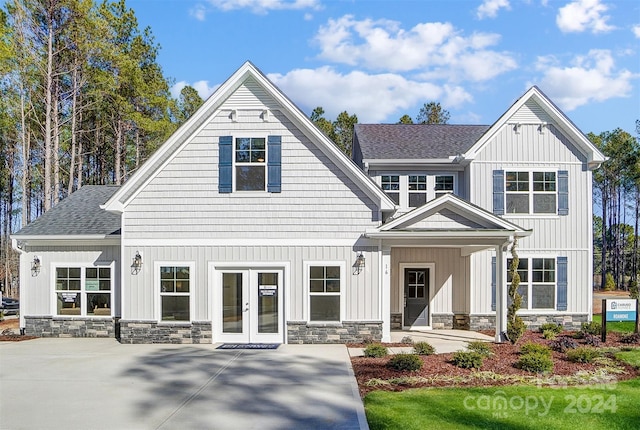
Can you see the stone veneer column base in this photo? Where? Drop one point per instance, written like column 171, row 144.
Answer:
column 442, row 321
column 154, row 332
column 345, row 332
column 49, row 326
column 396, row 321
column 533, row 322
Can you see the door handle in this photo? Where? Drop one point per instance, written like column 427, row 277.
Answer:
column 246, row 307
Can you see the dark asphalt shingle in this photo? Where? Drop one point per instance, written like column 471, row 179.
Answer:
column 78, row 214
column 415, row 141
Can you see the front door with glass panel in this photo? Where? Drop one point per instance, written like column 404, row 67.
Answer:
column 248, row 306
column 416, row 297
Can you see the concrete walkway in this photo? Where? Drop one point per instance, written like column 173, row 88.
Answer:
column 444, row 341
column 101, row 384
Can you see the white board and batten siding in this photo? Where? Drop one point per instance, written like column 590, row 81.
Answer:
column 532, row 147
column 360, row 292
column 319, row 215
column 450, row 292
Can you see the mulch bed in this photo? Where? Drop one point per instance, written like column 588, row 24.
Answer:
column 501, row 362
column 8, row 329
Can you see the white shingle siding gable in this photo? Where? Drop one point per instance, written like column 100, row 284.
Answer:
column 317, row 198
column 530, row 112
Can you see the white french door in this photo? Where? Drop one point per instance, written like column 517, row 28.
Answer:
column 247, row 306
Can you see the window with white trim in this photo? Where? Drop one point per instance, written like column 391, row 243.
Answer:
column 174, row 293
column 530, row 192
column 444, row 185
column 250, row 163
column 537, row 282
column 391, row 185
column 417, row 190
column 83, row 291
column 324, row 293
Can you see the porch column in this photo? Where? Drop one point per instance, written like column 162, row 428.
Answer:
column 385, row 292
column 501, row 294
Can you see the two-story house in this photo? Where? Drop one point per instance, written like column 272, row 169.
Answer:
column 249, row 225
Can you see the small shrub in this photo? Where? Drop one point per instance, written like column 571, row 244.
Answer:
column 549, row 334
column 375, row 350
column 537, row 362
column 583, row 354
column 482, row 348
column 630, row 338
column 405, row 362
column 553, row 327
column 592, row 327
column 368, row 340
column 563, row 344
column 423, row 348
column 407, row 340
column 609, row 282
column 592, row 340
column 468, row 359
column 515, row 330
column 535, row 348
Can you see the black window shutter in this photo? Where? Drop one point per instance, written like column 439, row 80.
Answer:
column 225, row 164
column 563, row 192
column 493, row 283
column 274, row 164
column 562, row 283
column 498, row 192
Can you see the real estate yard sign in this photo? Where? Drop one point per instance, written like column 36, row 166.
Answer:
column 616, row 310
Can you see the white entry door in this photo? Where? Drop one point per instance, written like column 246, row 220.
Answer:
column 248, row 306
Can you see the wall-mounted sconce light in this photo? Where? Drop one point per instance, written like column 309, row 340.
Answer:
column 359, row 263
column 35, row 266
column 136, row 266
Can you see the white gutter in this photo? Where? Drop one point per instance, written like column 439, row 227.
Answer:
column 452, row 234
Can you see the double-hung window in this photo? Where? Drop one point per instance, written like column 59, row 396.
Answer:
column 325, row 285
column 175, row 285
column 83, row 291
column 417, row 190
column 537, row 282
column 391, row 186
column 250, row 163
column 444, row 185
column 530, row 192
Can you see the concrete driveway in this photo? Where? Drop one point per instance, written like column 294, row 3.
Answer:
column 101, row 384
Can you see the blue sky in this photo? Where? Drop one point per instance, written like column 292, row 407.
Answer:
column 382, row 59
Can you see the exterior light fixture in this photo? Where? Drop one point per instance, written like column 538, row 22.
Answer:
column 137, row 263
column 35, row 266
column 359, row 264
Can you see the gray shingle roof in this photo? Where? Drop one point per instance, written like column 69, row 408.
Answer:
column 78, row 214
column 415, row 141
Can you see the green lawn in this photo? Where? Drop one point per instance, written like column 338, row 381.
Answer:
column 632, row 357
column 602, row 406
column 620, row 327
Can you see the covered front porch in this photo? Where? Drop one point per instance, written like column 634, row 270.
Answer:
column 427, row 279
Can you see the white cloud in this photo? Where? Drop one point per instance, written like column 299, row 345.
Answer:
column 202, row 87
column 199, row 12
column 636, row 31
column 490, row 8
column 433, row 49
column 373, row 98
column 583, row 15
column 590, row 78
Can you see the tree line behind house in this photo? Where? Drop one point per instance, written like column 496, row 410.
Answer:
column 85, row 101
